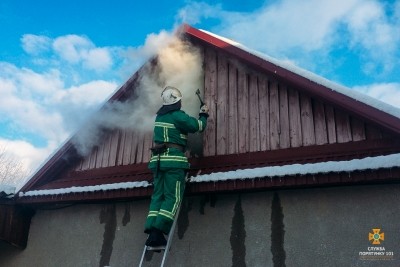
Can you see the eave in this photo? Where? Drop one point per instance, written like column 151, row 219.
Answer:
column 380, row 176
column 226, row 163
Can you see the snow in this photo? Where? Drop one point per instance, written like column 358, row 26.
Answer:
column 317, row 79
column 369, row 163
column 7, row 189
column 80, row 189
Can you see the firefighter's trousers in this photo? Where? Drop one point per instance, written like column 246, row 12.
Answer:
column 169, row 186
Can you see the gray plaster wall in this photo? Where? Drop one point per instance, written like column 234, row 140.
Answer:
column 302, row 227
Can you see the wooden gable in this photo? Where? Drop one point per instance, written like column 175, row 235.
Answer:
column 251, row 111
column 260, row 115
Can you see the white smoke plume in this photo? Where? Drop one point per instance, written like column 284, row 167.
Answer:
column 179, row 64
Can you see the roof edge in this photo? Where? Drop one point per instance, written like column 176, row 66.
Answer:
column 272, row 172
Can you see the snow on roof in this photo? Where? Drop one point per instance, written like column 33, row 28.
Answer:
column 81, row 189
column 369, row 163
column 317, row 79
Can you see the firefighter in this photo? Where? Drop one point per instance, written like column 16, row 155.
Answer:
column 169, row 163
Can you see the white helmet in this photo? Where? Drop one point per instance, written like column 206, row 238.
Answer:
column 170, row 95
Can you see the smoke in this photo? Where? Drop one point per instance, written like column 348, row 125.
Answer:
column 179, row 64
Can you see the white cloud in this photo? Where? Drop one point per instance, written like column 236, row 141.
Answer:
column 23, row 100
column 79, row 49
column 35, row 44
column 38, row 103
column 97, row 59
column 28, row 82
column 28, row 155
column 88, row 94
column 51, row 114
column 69, row 47
column 31, row 116
column 32, row 83
column 50, row 99
column 362, row 14
column 283, row 25
column 194, row 12
column 386, row 92
column 48, row 114
column 308, row 32
column 372, row 30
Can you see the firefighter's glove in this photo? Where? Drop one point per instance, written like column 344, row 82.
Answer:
column 204, row 110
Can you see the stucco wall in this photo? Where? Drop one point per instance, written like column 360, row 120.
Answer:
column 311, row 227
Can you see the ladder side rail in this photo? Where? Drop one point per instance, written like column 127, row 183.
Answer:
column 170, row 236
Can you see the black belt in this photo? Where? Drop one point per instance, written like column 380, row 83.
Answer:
column 172, row 145
column 160, row 147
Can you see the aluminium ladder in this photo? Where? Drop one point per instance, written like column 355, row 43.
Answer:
column 169, row 241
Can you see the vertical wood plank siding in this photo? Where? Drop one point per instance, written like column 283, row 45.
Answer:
column 222, row 106
column 274, row 115
column 249, row 111
column 210, row 87
column 321, row 134
column 232, row 126
column 243, row 112
column 263, row 101
column 330, row 124
column 120, row 147
column 99, row 157
column 307, row 121
column 260, row 113
column 295, row 133
column 358, row 129
column 254, row 114
column 284, row 128
column 140, row 147
column 343, row 130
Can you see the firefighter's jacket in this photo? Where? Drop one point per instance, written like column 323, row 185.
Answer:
column 173, row 127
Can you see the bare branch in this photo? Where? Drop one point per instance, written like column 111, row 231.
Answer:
column 11, row 169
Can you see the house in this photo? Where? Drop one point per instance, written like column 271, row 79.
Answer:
column 292, row 170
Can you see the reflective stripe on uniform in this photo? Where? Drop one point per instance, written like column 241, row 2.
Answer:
column 152, row 213
column 169, row 158
column 171, row 214
column 177, row 196
column 165, row 127
column 167, row 214
column 166, row 138
column 164, row 124
column 200, row 125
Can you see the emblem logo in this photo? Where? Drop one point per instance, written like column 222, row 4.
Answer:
column 376, row 236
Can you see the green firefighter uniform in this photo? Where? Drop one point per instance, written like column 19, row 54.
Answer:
column 169, row 166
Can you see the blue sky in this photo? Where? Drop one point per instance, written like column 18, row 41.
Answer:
column 59, row 60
